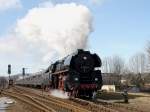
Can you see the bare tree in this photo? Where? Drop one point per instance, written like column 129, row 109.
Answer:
column 113, row 64
column 137, row 63
column 118, row 64
column 126, row 70
column 148, row 48
column 148, row 53
column 107, row 65
column 137, row 80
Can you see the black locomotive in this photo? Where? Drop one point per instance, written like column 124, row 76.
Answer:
column 78, row 74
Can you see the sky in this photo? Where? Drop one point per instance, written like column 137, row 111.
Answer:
column 105, row 27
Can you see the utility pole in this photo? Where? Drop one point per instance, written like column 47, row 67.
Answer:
column 9, row 72
column 23, row 73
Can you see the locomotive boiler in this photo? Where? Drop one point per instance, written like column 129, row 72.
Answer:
column 78, row 74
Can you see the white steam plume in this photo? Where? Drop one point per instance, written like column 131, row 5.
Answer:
column 56, row 30
column 47, row 33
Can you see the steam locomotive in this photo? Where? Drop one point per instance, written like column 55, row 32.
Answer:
column 78, row 74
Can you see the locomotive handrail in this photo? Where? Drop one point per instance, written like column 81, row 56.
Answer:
column 62, row 71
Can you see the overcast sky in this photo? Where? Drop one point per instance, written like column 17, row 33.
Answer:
column 34, row 33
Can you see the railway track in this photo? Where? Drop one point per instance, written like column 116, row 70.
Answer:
column 72, row 105
column 29, row 100
column 93, row 106
column 73, row 102
column 49, row 103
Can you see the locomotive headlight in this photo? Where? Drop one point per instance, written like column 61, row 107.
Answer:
column 76, row 79
column 85, row 58
column 96, row 79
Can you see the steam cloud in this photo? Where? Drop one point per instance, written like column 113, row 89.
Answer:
column 51, row 31
column 56, row 30
column 59, row 94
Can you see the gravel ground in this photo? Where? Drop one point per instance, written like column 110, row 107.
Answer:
column 19, row 106
column 141, row 103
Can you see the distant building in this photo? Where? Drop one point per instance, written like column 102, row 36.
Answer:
column 111, row 79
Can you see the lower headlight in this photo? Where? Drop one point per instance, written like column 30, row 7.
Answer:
column 96, row 79
column 76, row 78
